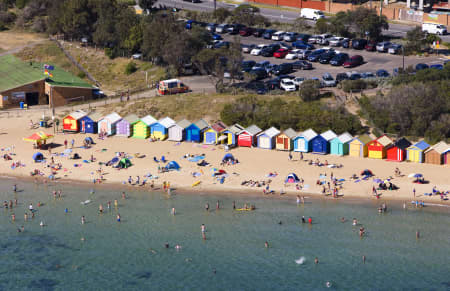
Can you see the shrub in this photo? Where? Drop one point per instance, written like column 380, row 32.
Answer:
column 309, row 90
column 81, row 75
column 353, row 85
column 130, row 68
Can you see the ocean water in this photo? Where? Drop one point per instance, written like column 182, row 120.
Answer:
column 130, row 255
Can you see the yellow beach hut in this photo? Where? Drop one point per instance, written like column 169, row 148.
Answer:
column 211, row 134
column 358, row 146
column 159, row 130
column 141, row 128
column 285, row 140
column 415, row 153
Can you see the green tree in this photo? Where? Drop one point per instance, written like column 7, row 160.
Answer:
column 415, row 40
column 221, row 14
column 321, row 26
column 309, row 90
column 248, row 15
column 365, row 20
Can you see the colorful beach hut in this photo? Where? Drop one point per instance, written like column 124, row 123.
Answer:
column 447, row 157
column 177, row 132
column 211, row 134
column 194, row 132
column 435, row 154
column 89, row 122
column 266, row 139
column 247, row 137
column 141, row 129
column 340, row 145
column 285, row 140
column 302, row 142
column 159, row 130
column 377, row 147
column 108, row 124
column 125, row 126
column 397, row 151
column 321, row 143
column 229, row 135
column 71, row 122
column 358, row 146
column 415, row 152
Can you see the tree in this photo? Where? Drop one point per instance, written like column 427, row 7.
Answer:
column 309, row 90
column 248, row 15
column 415, row 40
column 300, row 24
column 321, row 26
column 221, row 14
column 367, row 22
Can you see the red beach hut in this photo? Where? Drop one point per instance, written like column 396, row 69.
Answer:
column 247, row 137
column 397, row 151
column 71, row 121
column 377, row 147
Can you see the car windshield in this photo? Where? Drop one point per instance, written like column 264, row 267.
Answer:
column 327, row 77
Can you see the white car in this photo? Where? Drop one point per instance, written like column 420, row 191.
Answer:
column 279, row 35
column 335, row 41
column 293, row 54
column 257, row 50
column 298, row 81
column 287, row 85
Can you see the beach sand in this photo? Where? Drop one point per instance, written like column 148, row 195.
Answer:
column 254, row 164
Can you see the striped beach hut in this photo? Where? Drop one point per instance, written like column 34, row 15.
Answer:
column 435, row 154
column 321, row 143
column 71, row 122
column 302, row 142
column 415, row 152
column 212, row 133
column 247, row 137
column 177, row 132
column 358, row 146
column 194, row 132
column 141, row 129
column 229, row 135
column 377, row 147
column 125, row 126
column 396, row 152
column 108, row 124
column 285, row 140
column 340, row 145
column 89, row 122
column 159, row 129
column 266, row 139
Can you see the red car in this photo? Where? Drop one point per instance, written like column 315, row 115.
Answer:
column 371, row 46
column 353, row 61
column 246, row 31
column 281, row 53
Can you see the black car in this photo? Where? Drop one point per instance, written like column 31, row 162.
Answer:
column 222, row 44
column 303, row 37
column 284, row 68
column 268, row 33
column 258, row 32
column 359, row 44
column 258, row 87
column 273, row 84
column 346, row 43
column 268, row 51
column 339, row 59
column 258, row 74
column 247, row 66
column 315, row 55
column 341, row 77
column 326, row 57
column 301, row 65
column 235, row 28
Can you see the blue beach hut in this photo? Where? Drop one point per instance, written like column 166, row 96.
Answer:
column 88, row 124
column 229, row 135
column 321, row 143
column 302, row 142
column 194, row 132
column 159, row 129
column 340, row 145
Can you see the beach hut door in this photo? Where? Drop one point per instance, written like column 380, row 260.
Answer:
column 286, row 143
column 104, row 127
column 301, row 144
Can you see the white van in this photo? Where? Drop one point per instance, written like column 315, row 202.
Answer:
column 434, row 28
column 279, row 35
column 313, row 14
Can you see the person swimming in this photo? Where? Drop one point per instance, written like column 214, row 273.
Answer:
column 83, row 219
column 100, row 208
column 203, row 228
column 266, row 244
column 355, row 222
column 118, row 217
column 42, row 224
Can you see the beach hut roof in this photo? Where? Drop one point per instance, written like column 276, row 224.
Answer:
column 148, row 119
column 201, row 124
column 253, row 129
column 345, row 137
column 236, row 128
column 271, row 132
column 131, row 118
column 441, row 147
column 290, row 133
column 309, row 134
column 364, row 139
column 166, row 122
column 183, row 123
column 328, row 135
column 421, row 145
column 402, row 143
column 218, row 126
column 113, row 117
column 384, row 140
column 78, row 114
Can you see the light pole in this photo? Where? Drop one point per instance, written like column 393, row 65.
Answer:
column 403, row 56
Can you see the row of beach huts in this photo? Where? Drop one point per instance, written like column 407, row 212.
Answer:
column 289, row 140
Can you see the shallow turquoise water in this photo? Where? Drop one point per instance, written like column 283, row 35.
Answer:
column 118, row 256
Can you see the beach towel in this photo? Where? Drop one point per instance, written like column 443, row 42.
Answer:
column 86, row 161
column 322, row 177
column 195, row 159
column 341, row 180
column 356, row 181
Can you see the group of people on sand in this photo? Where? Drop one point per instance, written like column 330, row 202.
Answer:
column 318, row 163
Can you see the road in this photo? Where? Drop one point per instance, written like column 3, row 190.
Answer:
column 396, row 30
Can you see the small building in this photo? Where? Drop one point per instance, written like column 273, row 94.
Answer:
column 321, row 143
column 177, row 132
column 141, row 129
column 247, row 137
column 302, row 142
column 107, row 125
column 266, row 139
column 358, row 147
column 89, row 123
column 72, row 123
column 340, row 145
column 159, row 130
column 397, row 151
column 377, row 147
column 447, row 157
column 435, row 154
column 125, row 126
column 229, row 135
column 211, row 134
column 194, row 132
column 415, row 152
column 285, row 140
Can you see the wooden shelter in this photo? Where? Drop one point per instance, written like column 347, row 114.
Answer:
column 435, row 154
column 377, row 147
column 107, row 124
column 125, row 126
column 159, row 129
column 247, row 137
column 415, row 152
column 340, row 145
column 141, row 129
column 266, row 139
column 211, row 134
column 358, row 147
column 302, row 142
column 397, row 151
column 229, row 135
column 194, row 132
column 177, row 132
column 285, row 140
column 71, row 122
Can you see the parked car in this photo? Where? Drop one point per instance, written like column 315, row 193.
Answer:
column 257, row 86
column 258, row 74
column 284, row 68
column 341, row 77
column 279, row 35
column 383, row 47
column 293, row 54
column 437, row 67
column 261, row 64
column 302, row 65
column 247, row 66
column 281, row 53
column 336, row 41
column 382, row 73
column 339, row 59
column 313, row 14
column 284, row 45
column 346, row 43
column 313, row 39
column 270, row 50
column 303, row 37
column 434, row 28
column 287, row 85
column 235, row 28
column 246, row 31
column 324, row 39
column 257, row 50
column 221, row 44
column 328, row 80
column 395, row 49
column 354, row 75
column 222, row 28
column 326, row 57
column 216, row 36
column 290, row 36
column 302, row 45
column 368, row 75
column 273, row 84
column 421, row 66
column 354, row 61
column 315, row 55
column 359, row 44
column 211, row 27
column 268, row 33
column 247, row 48
column 258, row 32
column 304, row 53
column 298, row 81
column 371, row 46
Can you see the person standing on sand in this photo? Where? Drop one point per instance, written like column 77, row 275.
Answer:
column 72, row 142
column 65, row 143
column 414, row 193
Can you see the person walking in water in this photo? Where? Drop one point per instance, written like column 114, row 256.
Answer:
column 234, row 205
column 203, row 228
column 207, row 206
column 83, row 220
column 217, row 205
column 173, row 211
column 118, row 217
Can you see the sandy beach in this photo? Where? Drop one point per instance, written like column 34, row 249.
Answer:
column 254, row 164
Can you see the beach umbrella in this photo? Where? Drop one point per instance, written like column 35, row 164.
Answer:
column 418, row 176
column 411, row 175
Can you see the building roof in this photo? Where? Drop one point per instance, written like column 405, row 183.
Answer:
column 183, row 123
column 328, row 135
column 441, row 147
column 131, row 118
column 421, row 145
column 15, row 73
column 271, row 132
column 290, row 133
column 166, row 122
column 78, row 114
column 235, row 128
column 201, row 124
column 94, row 116
column 402, row 143
column 364, row 139
column 148, row 120
column 113, row 117
column 63, row 78
column 345, row 137
column 253, row 130
column 218, row 126
column 309, row 134
column 384, row 140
